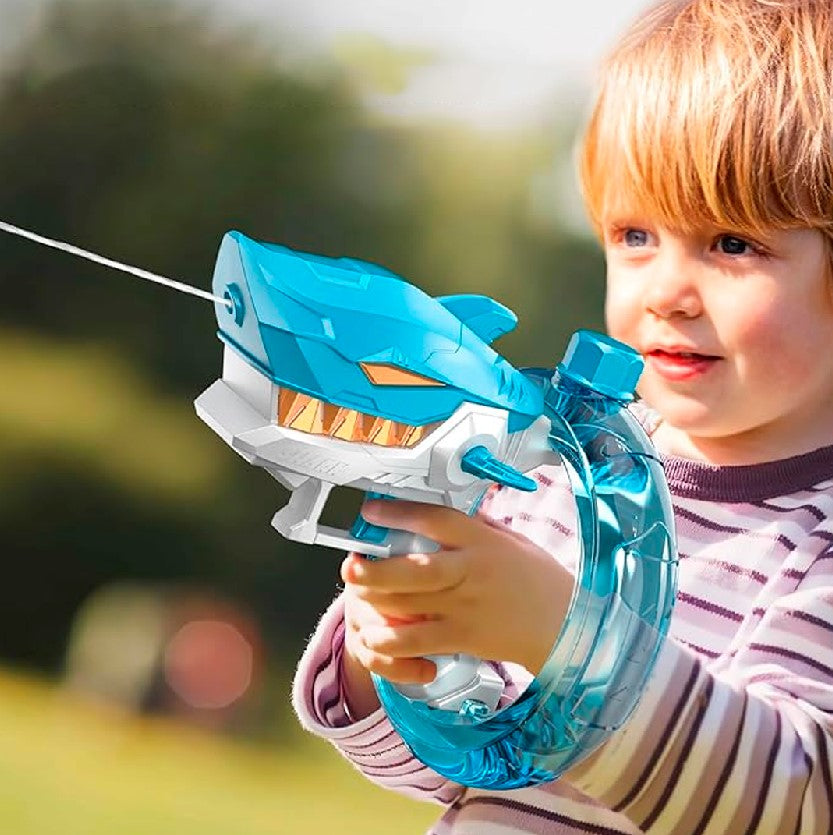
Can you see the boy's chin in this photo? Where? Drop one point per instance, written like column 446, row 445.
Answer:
column 685, row 427
column 684, row 412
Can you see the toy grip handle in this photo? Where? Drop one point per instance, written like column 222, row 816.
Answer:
column 463, row 682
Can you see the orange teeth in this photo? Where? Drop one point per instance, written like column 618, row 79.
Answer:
column 308, row 414
column 290, row 405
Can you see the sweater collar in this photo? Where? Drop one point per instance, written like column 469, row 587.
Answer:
column 748, row 483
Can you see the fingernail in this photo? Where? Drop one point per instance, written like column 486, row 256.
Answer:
column 356, row 569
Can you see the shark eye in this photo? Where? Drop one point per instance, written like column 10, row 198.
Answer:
column 391, row 375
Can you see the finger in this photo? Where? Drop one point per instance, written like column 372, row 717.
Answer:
column 358, row 611
column 445, row 525
column 408, row 573
column 361, row 613
column 389, row 608
column 397, row 670
column 347, row 563
column 427, row 637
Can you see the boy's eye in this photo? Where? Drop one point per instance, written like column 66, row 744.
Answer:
column 732, row 245
column 635, row 237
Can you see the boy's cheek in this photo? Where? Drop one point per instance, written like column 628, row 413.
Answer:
column 621, row 312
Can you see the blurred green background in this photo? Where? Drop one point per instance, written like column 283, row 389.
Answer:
column 144, row 131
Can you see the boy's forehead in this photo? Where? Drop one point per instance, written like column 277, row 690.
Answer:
column 675, row 206
column 629, row 205
column 625, row 202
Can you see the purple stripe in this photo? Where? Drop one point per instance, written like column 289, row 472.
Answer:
column 703, row 522
column 548, row 520
column 554, row 523
column 814, row 511
column 330, row 693
column 793, row 656
column 370, row 758
column 732, row 568
column 700, row 650
column 335, row 700
column 676, row 714
column 363, row 732
column 759, row 611
column 769, row 678
column 419, row 787
column 782, row 681
column 808, row 766
column 806, row 616
column 798, row 574
column 448, row 818
column 544, row 814
column 323, row 666
column 681, row 761
column 333, row 693
column 824, row 759
column 361, row 750
column 717, row 793
column 821, row 487
column 379, row 770
column 767, row 772
column 453, row 794
column 705, row 605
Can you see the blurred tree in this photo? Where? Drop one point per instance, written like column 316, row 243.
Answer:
column 138, row 130
column 144, row 132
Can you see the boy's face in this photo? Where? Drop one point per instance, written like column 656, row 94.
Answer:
column 737, row 335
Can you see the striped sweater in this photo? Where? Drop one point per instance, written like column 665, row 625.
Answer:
column 734, row 732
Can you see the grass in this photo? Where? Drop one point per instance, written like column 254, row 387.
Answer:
column 71, row 768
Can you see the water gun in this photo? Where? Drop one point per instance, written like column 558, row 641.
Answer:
column 338, row 372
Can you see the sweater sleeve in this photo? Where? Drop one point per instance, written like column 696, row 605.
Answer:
column 372, row 744
column 745, row 745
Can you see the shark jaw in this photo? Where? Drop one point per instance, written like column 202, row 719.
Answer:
column 315, row 417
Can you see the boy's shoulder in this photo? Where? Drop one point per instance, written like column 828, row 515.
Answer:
column 648, row 418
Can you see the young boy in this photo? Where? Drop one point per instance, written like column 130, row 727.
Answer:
column 708, row 172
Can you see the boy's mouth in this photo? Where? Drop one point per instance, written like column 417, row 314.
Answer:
column 677, row 365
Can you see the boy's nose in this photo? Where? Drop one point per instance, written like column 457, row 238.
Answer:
column 672, row 291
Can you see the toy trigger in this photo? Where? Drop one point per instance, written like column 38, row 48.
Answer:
column 478, row 461
column 366, row 531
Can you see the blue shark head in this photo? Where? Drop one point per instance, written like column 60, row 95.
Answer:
column 355, row 335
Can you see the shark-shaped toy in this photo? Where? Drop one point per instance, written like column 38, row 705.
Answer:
column 338, row 372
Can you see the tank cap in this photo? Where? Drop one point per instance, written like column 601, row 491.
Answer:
column 604, row 365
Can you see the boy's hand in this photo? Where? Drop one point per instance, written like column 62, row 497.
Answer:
column 487, row 592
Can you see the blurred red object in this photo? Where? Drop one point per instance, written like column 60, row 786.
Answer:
column 179, row 651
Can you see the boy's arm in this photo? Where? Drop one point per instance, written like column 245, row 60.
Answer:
column 747, row 749
column 371, row 744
